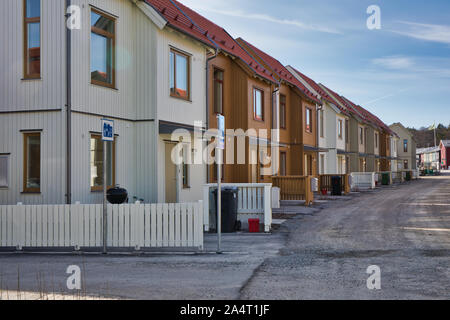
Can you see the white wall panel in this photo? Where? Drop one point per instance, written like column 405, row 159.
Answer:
column 53, row 153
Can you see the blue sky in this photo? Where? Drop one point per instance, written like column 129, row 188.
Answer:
column 400, row 72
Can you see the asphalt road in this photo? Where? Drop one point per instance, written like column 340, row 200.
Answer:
column 321, row 254
column 404, row 230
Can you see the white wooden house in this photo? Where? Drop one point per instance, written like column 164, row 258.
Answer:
column 127, row 62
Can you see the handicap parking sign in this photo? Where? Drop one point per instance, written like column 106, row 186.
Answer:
column 107, row 130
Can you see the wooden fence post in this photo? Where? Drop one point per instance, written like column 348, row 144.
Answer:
column 309, row 196
column 347, row 183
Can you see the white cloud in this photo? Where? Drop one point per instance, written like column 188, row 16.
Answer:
column 427, row 32
column 262, row 17
column 394, row 62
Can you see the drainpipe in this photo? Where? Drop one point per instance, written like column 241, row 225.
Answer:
column 68, row 111
column 207, row 99
column 318, row 108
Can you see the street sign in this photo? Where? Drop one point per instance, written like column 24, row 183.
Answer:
column 107, row 130
column 221, row 132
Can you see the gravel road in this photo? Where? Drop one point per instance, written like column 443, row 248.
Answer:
column 405, row 230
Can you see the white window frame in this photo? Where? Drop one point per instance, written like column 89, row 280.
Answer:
column 5, row 156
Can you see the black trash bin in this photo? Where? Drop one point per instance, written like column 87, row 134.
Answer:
column 336, row 186
column 229, row 209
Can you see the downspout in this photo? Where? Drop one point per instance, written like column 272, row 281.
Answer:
column 68, row 111
column 318, row 108
column 207, row 100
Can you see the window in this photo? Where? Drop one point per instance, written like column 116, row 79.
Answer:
column 347, row 128
column 376, row 140
column 32, row 39
column 340, row 129
column 405, row 164
column 179, row 75
column 103, row 56
column 32, row 163
column 186, row 184
column 322, row 164
column 361, row 136
column 283, row 160
column 322, row 124
column 405, row 145
column 186, row 168
column 218, row 91
column 282, row 112
column 258, row 105
column 97, row 165
column 308, row 120
column 4, row 159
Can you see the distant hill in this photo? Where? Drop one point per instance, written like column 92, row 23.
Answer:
column 425, row 137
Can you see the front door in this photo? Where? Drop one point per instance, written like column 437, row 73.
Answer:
column 171, row 175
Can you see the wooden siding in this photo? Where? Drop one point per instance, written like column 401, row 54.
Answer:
column 53, row 152
column 49, row 91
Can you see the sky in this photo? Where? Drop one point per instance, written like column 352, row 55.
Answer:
column 400, row 72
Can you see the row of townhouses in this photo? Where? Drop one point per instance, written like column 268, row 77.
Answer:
column 156, row 67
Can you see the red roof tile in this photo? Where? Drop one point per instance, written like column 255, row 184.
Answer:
column 280, row 70
column 190, row 22
column 320, row 91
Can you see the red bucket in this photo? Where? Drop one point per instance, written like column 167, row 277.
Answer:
column 253, row 225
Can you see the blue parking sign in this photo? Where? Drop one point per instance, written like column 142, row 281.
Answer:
column 107, row 130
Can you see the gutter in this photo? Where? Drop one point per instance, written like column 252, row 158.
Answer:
column 68, row 111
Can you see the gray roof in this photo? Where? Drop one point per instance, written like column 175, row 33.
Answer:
column 446, row 143
column 428, row 150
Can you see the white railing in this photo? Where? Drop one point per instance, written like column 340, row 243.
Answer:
column 397, row 177
column 136, row 226
column 254, row 201
column 362, row 180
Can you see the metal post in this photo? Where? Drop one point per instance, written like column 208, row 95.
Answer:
column 105, row 208
column 219, row 201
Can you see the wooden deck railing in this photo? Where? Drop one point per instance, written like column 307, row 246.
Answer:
column 325, row 182
column 294, row 188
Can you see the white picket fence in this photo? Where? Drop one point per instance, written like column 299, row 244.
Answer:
column 254, row 201
column 363, row 180
column 136, row 226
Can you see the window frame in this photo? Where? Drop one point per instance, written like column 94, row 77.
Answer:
column 405, row 145
column 255, row 116
column 308, row 111
column 26, row 135
column 376, row 140
column 322, row 123
column 361, row 136
column 5, row 156
column 188, row 58
column 100, row 188
column 340, row 129
column 283, row 163
column 26, row 22
column 215, row 80
column 114, row 54
column 283, row 118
